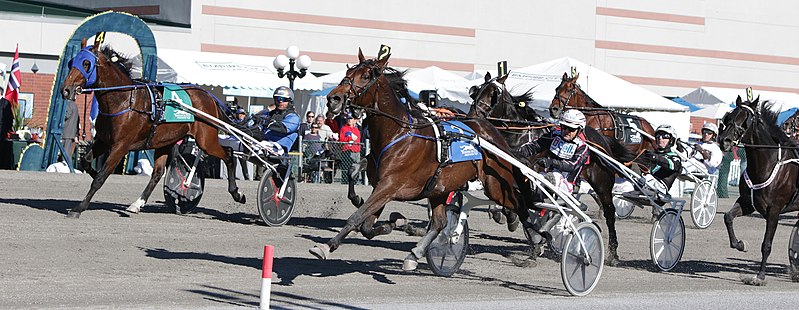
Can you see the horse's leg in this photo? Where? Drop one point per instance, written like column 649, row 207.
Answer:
column 370, row 230
column 354, row 171
column 376, row 201
column 116, row 154
column 213, row 148
column 437, row 223
column 98, row 147
column 772, row 219
column 158, row 170
column 609, row 211
column 736, row 211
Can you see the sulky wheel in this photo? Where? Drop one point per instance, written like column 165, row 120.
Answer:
column 704, row 202
column 793, row 248
column 444, row 255
column 273, row 210
column 667, row 241
column 558, row 233
column 178, row 196
column 581, row 263
column 624, row 208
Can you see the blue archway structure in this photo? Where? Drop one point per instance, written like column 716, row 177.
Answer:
column 104, row 22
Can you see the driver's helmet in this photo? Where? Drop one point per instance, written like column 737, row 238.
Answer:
column 573, row 118
column 666, row 130
column 284, row 92
column 712, row 127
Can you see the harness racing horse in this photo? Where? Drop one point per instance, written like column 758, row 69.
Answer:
column 404, row 167
column 124, row 123
column 608, row 122
column 771, row 174
column 494, row 100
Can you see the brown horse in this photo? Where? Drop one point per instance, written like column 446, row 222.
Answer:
column 772, row 175
column 125, row 124
column 493, row 101
column 608, row 122
column 404, row 165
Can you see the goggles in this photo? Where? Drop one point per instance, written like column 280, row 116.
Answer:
column 663, row 135
column 282, row 99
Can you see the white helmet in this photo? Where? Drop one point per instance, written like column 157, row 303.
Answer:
column 573, row 118
column 670, row 130
column 712, row 127
column 284, row 92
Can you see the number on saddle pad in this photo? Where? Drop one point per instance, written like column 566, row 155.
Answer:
column 173, row 96
column 460, row 150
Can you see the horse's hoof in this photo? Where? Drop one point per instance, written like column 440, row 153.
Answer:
column 753, row 280
column 512, row 226
column 73, row 215
column 410, row 263
column 612, row 261
column 397, row 219
column 321, row 251
column 795, row 276
column 528, row 262
column 242, row 199
column 414, row 231
column 497, row 216
column 742, row 246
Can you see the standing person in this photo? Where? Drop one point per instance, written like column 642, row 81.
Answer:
column 305, row 127
column 245, row 171
column 69, row 135
column 350, row 135
column 331, row 122
column 325, row 132
column 707, row 152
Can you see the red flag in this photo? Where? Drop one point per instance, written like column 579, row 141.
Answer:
column 14, row 80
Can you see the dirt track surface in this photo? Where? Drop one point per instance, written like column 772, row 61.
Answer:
column 212, row 258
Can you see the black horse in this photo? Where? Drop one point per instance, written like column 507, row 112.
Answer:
column 493, row 102
column 771, row 174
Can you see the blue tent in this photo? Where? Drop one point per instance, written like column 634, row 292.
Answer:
column 690, row 106
column 784, row 115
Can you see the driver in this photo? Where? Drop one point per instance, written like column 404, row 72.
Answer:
column 707, row 152
column 664, row 166
column 277, row 129
column 567, row 151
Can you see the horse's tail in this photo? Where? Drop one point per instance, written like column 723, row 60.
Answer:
column 611, row 145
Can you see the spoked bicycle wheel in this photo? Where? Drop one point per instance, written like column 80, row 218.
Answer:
column 581, row 264
column 273, row 210
column 793, row 248
column 667, row 241
column 624, row 208
column 558, row 233
column 704, row 202
column 178, row 196
column 443, row 255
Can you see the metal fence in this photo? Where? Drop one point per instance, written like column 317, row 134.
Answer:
column 329, row 161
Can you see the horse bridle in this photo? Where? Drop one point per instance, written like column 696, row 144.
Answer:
column 565, row 102
column 503, row 91
column 358, row 91
column 750, row 118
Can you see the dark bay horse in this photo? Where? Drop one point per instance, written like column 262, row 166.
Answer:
column 124, row 123
column 608, row 122
column 494, row 100
column 772, row 168
column 403, row 159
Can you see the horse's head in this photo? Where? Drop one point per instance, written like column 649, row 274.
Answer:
column 563, row 94
column 488, row 95
column 85, row 67
column 357, row 86
column 738, row 123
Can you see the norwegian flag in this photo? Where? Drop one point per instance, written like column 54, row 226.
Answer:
column 14, row 80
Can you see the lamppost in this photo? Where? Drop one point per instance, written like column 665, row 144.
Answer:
column 292, row 57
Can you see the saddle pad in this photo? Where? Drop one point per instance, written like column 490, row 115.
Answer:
column 460, row 150
column 173, row 113
column 626, row 124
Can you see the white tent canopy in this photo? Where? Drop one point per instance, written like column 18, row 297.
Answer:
column 715, row 111
column 243, row 75
column 606, row 89
column 711, row 96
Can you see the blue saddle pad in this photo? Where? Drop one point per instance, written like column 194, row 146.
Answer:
column 460, row 150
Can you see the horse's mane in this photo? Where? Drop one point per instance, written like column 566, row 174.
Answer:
column 123, row 61
column 769, row 117
column 396, row 79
